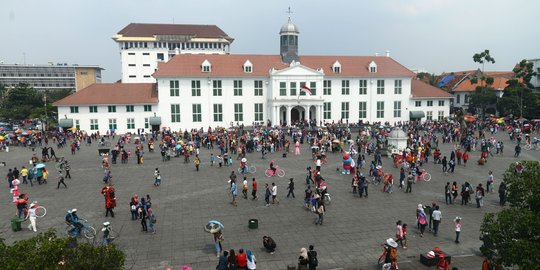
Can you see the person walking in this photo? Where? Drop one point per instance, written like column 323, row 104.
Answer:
column 448, row 193
column 437, row 216
column 254, row 189
column 197, row 162
column 151, row 220
column 267, row 194
column 454, row 191
column 291, row 188
column 401, row 177
column 490, row 183
column 67, row 168
column 479, row 196
column 465, row 158
column 218, row 238
column 363, row 183
column 517, row 150
column 321, row 209
column 421, row 219
column 110, row 199
column 234, row 192
column 313, row 261
column 399, row 233
column 457, row 226
column 245, row 188
column 410, row 181
column 157, row 177
column 24, row 174
column 32, row 217
column 274, row 194
column 444, row 163
column 60, row 180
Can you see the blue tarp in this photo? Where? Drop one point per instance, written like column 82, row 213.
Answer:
column 446, row 80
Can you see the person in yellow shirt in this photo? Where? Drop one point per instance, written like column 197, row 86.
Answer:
column 24, row 174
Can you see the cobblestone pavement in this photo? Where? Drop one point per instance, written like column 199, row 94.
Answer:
column 350, row 238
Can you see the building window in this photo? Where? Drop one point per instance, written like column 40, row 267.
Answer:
column 78, row 124
column 345, row 87
column 397, row 87
column 397, row 109
column 362, row 87
column 327, row 87
column 146, row 123
column 429, row 115
column 160, row 57
column 94, row 124
column 380, row 109
column 217, row 88
column 147, row 108
column 362, row 109
column 218, row 113
column 258, row 112
column 175, row 88
column 131, row 123
column 282, row 88
column 458, row 98
column 258, row 86
column 133, row 76
column 441, row 103
column 131, row 52
column 238, row 112
column 74, row 109
column 380, row 87
column 466, row 99
column 327, row 110
column 313, row 87
column 93, row 109
column 206, row 68
column 292, row 89
column 129, row 65
column 372, row 67
column 418, row 103
column 237, row 87
column 344, row 110
column 336, row 67
column 196, row 88
column 248, row 69
column 112, row 109
column 130, row 108
column 146, row 65
column 175, row 113
column 197, row 113
column 112, row 124
column 430, row 103
column 440, row 117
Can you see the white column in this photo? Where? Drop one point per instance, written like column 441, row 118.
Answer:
column 289, row 119
column 275, row 121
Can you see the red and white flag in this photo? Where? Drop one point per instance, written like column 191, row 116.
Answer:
column 307, row 89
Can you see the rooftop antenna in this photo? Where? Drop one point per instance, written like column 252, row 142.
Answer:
column 289, row 12
column 24, row 58
column 173, row 20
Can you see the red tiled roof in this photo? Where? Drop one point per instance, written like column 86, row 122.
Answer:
column 151, row 30
column 112, row 93
column 420, row 89
column 500, row 79
column 230, row 65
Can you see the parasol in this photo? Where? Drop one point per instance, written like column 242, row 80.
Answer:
column 213, row 226
column 72, row 129
column 40, row 166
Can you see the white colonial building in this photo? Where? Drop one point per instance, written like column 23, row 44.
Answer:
column 143, row 45
column 202, row 90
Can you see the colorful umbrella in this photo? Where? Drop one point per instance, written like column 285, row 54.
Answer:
column 213, row 226
column 18, row 130
column 40, row 166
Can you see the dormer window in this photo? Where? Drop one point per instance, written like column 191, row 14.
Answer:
column 248, row 67
column 372, row 67
column 336, row 67
column 206, row 66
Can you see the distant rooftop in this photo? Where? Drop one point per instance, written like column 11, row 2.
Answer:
column 52, row 65
column 152, row 30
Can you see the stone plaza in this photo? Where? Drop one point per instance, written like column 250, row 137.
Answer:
column 351, row 237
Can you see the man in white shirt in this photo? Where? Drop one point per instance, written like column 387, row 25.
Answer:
column 32, row 217
column 274, row 194
column 436, row 216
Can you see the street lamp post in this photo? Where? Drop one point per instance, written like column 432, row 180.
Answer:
column 45, row 120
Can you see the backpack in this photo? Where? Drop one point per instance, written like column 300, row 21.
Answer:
column 393, row 253
column 313, row 261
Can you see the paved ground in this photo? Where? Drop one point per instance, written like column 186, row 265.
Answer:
column 349, row 239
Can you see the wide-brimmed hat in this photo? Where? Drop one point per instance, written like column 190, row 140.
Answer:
column 316, row 196
column 391, row 243
column 32, row 205
column 244, row 159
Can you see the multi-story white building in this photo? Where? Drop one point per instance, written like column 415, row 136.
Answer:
column 202, row 90
column 142, row 46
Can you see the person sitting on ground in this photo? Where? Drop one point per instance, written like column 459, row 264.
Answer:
column 269, row 244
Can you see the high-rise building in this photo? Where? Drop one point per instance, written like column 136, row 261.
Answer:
column 50, row 77
column 143, row 45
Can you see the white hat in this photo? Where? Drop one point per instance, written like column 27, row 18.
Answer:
column 391, row 243
column 73, row 210
column 244, row 159
column 430, row 254
column 32, row 205
column 106, row 223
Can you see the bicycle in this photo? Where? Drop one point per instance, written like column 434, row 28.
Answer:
column 86, row 230
column 105, row 143
column 327, row 199
column 40, row 211
column 531, row 146
column 376, row 180
column 60, row 165
column 250, row 169
column 423, row 176
column 279, row 172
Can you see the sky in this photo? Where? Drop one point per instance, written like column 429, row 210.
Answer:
column 432, row 35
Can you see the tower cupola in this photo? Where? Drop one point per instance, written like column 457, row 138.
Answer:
column 289, row 42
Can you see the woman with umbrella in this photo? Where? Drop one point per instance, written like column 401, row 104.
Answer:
column 214, row 227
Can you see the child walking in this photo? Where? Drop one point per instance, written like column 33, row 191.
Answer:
column 457, row 225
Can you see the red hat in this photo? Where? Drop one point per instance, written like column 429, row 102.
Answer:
column 441, row 255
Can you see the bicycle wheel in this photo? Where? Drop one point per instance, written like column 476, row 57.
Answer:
column 41, row 211
column 89, row 232
column 58, row 166
column 327, row 199
column 527, row 147
column 268, row 173
column 427, row 177
column 281, row 172
column 252, row 169
column 240, row 170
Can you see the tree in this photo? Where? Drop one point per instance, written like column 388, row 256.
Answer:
column 511, row 237
column 483, row 94
column 19, row 101
column 47, row 251
column 519, row 99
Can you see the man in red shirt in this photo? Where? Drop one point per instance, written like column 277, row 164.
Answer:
column 241, row 259
column 254, row 192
